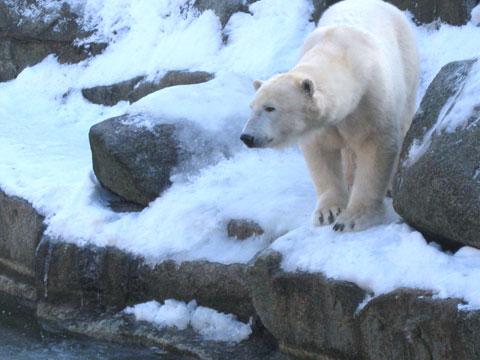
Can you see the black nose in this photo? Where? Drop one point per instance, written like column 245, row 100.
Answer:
column 249, row 140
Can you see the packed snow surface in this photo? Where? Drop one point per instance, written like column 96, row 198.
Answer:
column 44, row 123
column 382, row 259
column 475, row 18
column 209, row 323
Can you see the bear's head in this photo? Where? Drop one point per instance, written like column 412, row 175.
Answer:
column 284, row 109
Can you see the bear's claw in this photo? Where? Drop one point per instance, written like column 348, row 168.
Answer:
column 361, row 220
column 338, row 227
column 326, row 216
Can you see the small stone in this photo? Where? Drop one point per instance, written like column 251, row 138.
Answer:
column 243, row 229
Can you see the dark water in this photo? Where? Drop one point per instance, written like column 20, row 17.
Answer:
column 21, row 338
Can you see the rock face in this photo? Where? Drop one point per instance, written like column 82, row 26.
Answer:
column 137, row 162
column 411, row 325
column 107, row 277
column 308, row 314
column 313, row 317
column 134, row 89
column 21, row 228
column 437, row 186
column 456, row 12
column 30, row 30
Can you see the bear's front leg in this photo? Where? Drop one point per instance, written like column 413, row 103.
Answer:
column 325, row 165
column 366, row 208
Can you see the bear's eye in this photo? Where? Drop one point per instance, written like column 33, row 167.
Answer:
column 269, row 108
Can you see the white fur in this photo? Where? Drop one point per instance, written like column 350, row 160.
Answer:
column 363, row 65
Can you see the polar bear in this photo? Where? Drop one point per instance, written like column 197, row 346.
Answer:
column 352, row 91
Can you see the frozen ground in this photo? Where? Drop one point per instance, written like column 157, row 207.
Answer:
column 208, row 323
column 44, row 122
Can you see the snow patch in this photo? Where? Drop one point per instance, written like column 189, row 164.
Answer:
column 475, row 16
column 382, row 259
column 440, row 46
column 209, row 323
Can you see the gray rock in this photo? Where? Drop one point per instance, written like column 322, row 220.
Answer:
column 134, row 89
column 411, row 325
column 21, row 228
column 242, row 229
column 107, row 277
column 26, row 39
column 456, row 12
column 136, row 162
column 171, row 78
column 31, row 19
column 223, row 9
column 438, row 192
column 311, row 316
column 133, row 161
column 111, row 95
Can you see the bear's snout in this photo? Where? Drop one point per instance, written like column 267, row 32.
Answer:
column 249, row 140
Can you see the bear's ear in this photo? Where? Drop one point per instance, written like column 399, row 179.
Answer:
column 257, row 84
column 308, row 87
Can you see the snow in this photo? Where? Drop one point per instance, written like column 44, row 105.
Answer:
column 44, row 123
column 440, row 46
column 209, row 323
column 475, row 16
column 382, row 259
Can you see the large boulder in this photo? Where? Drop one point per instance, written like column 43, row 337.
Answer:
column 134, row 89
column 311, row 316
column 314, row 317
column 454, row 12
column 412, row 325
column 136, row 161
column 437, row 186
column 31, row 29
